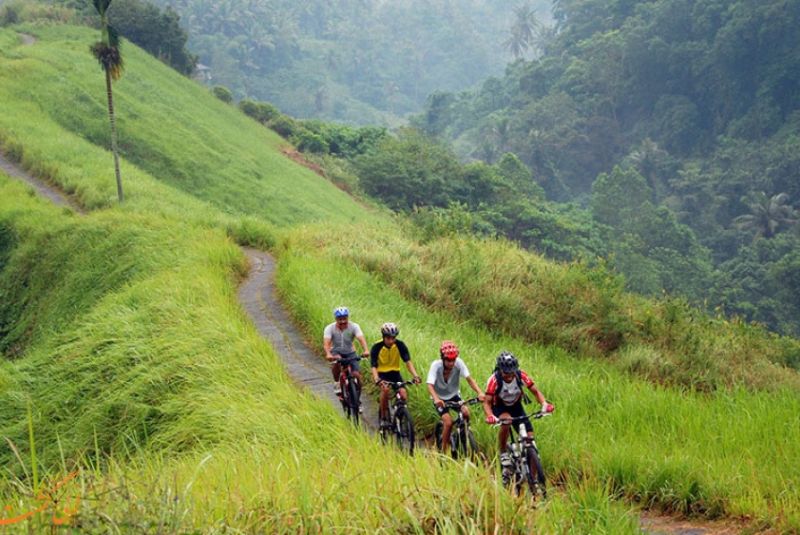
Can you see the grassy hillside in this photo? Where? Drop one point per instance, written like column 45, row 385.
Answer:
column 52, row 95
column 128, row 355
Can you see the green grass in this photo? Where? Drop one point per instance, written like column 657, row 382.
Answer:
column 171, row 129
column 156, row 368
column 727, row 453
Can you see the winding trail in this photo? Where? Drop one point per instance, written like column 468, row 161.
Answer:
column 308, row 369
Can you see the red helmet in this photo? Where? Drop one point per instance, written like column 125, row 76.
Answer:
column 448, row 350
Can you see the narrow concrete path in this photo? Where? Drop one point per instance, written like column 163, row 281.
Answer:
column 306, row 367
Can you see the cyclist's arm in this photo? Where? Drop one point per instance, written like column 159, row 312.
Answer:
column 363, row 342
column 373, row 358
column 432, row 392
column 537, row 394
column 327, row 344
column 487, row 405
column 410, row 366
column 474, row 385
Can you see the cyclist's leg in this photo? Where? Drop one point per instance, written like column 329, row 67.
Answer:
column 447, row 427
column 336, row 370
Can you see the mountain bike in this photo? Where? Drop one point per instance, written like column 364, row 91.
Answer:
column 527, row 466
column 462, row 441
column 350, row 387
column 399, row 422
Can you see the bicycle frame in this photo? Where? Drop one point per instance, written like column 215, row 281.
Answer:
column 349, row 405
column 460, row 430
column 523, row 449
column 399, row 419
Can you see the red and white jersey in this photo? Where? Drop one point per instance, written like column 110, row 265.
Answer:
column 510, row 392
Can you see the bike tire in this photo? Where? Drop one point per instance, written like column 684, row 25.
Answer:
column 470, row 447
column 437, row 432
column 354, row 401
column 455, row 442
column 535, row 473
column 404, row 430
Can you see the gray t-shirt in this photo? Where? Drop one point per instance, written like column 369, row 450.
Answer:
column 450, row 388
column 342, row 340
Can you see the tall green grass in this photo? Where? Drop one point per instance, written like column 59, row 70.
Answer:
column 580, row 309
column 53, row 119
column 137, row 367
column 727, row 453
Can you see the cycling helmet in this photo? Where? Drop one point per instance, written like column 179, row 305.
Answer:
column 448, row 350
column 507, row 362
column 341, row 312
column 389, row 329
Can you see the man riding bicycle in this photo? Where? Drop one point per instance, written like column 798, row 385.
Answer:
column 444, row 378
column 504, row 397
column 337, row 339
column 385, row 357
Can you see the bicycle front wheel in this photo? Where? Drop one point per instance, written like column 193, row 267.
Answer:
column 354, row 401
column 404, row 430
column 535, row 473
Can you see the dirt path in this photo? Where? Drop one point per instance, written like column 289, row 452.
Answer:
column 27, row 39
column 307, row 368
column 45, row 190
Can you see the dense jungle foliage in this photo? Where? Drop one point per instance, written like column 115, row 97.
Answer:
column 675, row 124
column 362, row 61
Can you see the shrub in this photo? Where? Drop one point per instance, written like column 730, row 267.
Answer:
column 9, row 15
column 222, row 93
column 263, row 112
column 308, row 141
column 284, row 125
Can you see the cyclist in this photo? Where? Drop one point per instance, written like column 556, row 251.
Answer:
column 504, row 397
column 337, row 339
column 385, row 357
column 444, row 378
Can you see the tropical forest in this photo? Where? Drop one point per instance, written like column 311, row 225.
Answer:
column 586, row 211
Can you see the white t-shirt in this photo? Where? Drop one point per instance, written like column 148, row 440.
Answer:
column 450, row 388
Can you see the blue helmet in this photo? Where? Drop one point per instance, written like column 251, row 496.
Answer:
column 340, row 312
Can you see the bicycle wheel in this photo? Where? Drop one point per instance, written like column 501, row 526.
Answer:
column 404, row 430
column 437, row 432
column 535, row 473
column 353, row 400
column 456, row 443
column 469, row 445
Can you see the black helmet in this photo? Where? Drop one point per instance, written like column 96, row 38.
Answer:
column 507, row 362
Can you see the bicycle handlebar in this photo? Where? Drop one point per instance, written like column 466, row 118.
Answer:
column 536, row 416
column 347, row 360
column 397, row 384
column 459, row 404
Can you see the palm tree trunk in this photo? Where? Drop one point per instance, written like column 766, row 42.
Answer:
column 113, row 134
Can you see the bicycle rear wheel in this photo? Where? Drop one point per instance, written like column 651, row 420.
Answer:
column 535, row 473
column 404, row 430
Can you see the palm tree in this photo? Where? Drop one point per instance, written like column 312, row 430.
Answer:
column 523, row 31
column 107, row 52
column 767, row 214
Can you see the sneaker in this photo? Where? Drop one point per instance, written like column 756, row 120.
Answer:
column 360, row 408
column 337, row 389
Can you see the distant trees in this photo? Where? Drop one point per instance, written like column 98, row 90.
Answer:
column 767, row 214
column 107, row 52
column 160, row 33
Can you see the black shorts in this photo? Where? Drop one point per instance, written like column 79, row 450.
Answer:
column 443, row 410
column 516, row 410
column 392, row 376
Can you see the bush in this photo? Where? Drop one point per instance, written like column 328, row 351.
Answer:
column 307, row 141
column 285, row 126
column 9, row 15
column 263, row 112
column 222, row 93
